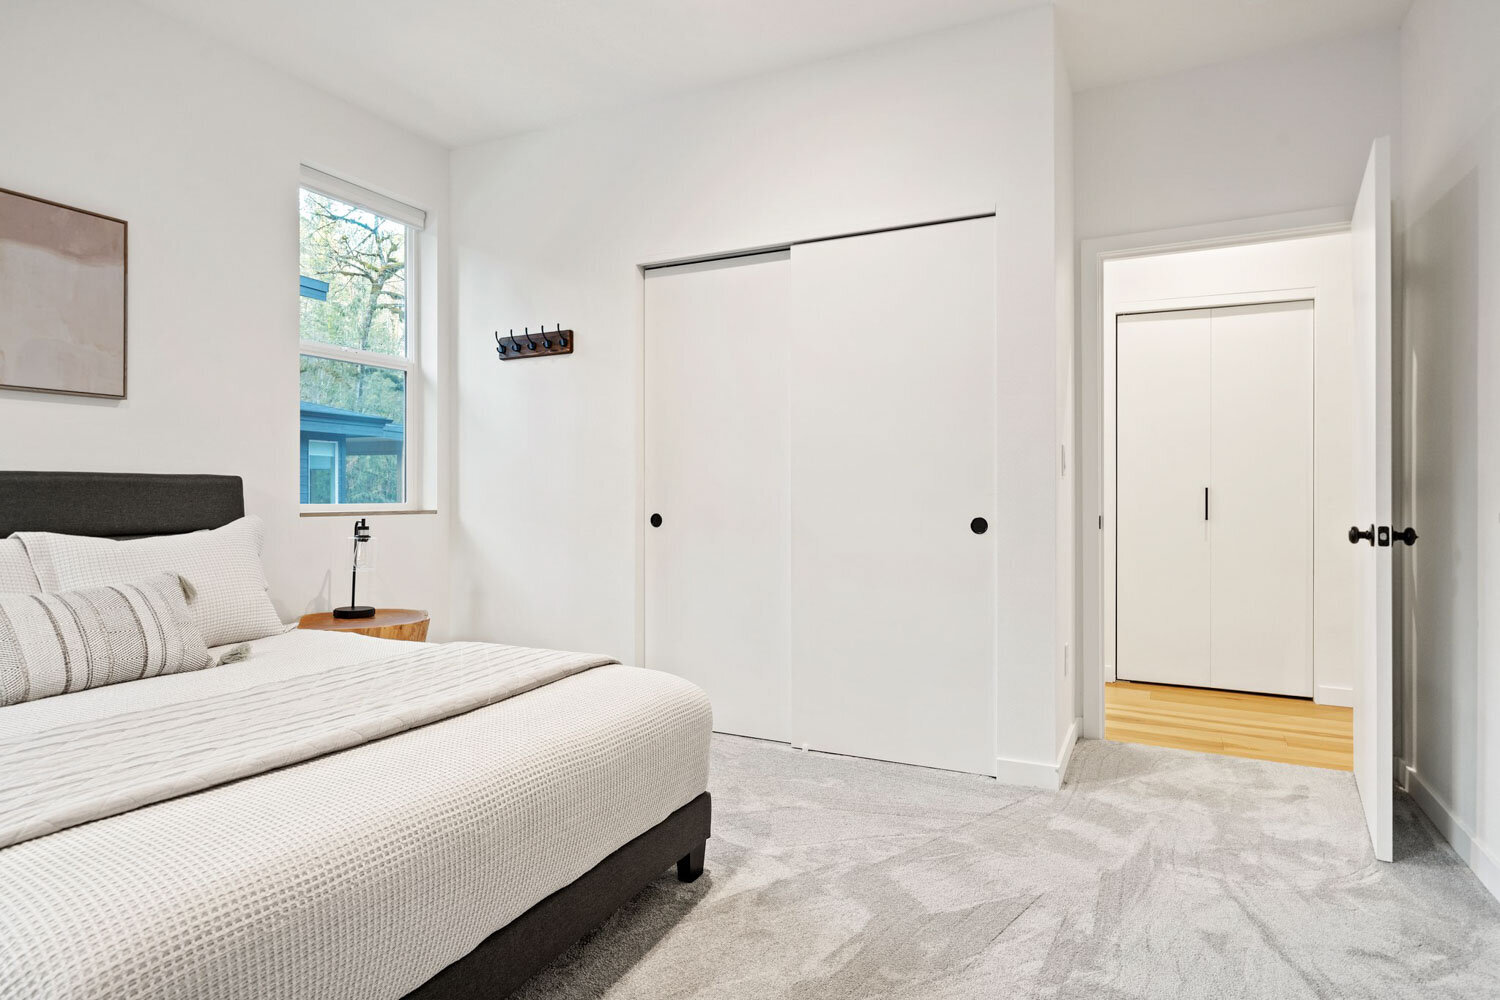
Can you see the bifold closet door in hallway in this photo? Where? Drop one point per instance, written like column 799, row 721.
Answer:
column 1214, row 450
column 857, row 446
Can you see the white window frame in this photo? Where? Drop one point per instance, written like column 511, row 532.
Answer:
column 414, row 219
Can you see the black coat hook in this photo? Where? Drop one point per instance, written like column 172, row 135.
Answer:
column 553, row 342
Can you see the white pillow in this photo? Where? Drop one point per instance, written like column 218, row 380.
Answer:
column 222, row 565
column 16, row 574
column 56, row 643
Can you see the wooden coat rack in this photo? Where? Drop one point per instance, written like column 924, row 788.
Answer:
column 533, row 345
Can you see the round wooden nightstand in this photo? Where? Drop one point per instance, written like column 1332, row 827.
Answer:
column 388, row 623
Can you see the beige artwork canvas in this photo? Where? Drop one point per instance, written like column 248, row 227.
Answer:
column 62, row 298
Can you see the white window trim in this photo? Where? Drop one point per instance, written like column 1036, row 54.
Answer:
column 372, row 201
column 414, row 219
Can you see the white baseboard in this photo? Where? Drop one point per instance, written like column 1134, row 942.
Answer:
column 1065, row 753
column 1476, row 853
column 1036, row 773
column 1334, row 694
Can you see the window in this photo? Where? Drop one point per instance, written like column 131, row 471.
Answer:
column 358, row 344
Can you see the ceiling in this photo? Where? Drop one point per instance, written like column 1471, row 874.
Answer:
column 461, row 71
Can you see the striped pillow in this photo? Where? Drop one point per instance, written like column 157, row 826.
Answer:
column 55, row 643
column 224, row 564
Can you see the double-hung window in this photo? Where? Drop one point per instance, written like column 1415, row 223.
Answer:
column 358, row 361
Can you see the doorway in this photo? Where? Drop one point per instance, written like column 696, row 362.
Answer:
column 1214, row 445
column 1343, row 266
column 1228, row 450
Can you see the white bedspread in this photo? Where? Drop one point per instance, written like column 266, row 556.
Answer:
column 356, row 874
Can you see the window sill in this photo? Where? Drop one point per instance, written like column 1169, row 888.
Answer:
column 362, row 512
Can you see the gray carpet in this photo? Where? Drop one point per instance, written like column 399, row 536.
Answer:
column 1153, row 873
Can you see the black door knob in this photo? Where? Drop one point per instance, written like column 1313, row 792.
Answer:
column 979, row 526
column 656, row 520
column 1355, row 535
column 1407, row 535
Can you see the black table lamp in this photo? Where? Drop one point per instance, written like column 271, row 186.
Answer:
column 362, row 561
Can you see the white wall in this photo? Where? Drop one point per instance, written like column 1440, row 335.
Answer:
column 550, row 227
column 1449, row 211
column 114, row 108
column 1267, row 135
column 1315, row 267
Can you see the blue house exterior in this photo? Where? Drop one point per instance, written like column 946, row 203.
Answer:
column 330, row 437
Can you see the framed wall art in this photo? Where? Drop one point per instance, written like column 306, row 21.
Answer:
column 62, row 298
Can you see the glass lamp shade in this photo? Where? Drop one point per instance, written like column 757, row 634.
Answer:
column 362, row 561
column 364, row 554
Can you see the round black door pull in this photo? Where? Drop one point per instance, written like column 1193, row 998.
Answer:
column 656, row 520
column 1356, row 536
column 979, row 526
column 1407, row 535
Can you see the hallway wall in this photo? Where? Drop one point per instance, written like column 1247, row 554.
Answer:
column 1282, row 132
column 1448, row 215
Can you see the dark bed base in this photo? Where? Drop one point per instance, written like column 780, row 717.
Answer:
column 516, row 952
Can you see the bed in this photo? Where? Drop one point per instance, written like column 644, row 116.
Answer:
column 445, row 858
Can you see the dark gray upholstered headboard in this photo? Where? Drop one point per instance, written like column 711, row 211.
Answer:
column 117, row 504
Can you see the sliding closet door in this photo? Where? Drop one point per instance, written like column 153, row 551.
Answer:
column 1261, row 523
column 893, row 421
column 716, row 599
column 1162, row 445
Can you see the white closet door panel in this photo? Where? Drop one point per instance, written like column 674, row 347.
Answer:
column 1260, row 515
column 716, row 599
column 893, row 416
column 1162, row 559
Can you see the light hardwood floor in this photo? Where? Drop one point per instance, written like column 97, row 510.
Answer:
column 1291, row 730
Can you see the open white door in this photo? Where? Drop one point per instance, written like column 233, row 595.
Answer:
column 1373, row 722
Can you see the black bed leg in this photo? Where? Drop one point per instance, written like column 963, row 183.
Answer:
column 690, row 866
